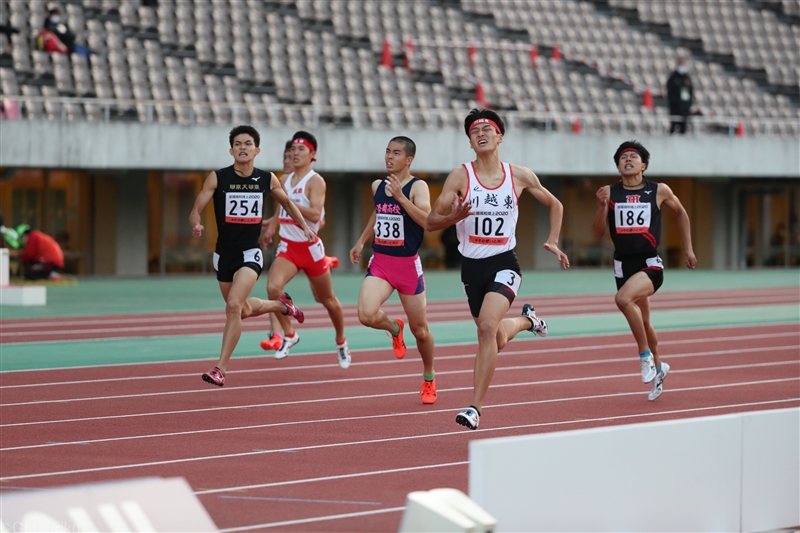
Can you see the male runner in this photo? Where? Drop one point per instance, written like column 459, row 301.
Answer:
column 239, row 192
column 481, row 197
column 402, row 204
column 631, row 209
column 306, row 188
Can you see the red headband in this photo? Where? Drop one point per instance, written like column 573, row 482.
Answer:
column 489, row 121
column 629, row 150
column 307, row 144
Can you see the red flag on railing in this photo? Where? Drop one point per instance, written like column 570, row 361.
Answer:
column 386, row 55
column 647, row 101
column 740, row 129
column 534, row 53
column 471, row 55
column 557, row 53
column 480, row 96
column 577, row 126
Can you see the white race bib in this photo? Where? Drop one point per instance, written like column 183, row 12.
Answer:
column 254, row 255
column 243, row 207
column 510, row 279
column 632, row 217
column 317, row 250
column 389, row 230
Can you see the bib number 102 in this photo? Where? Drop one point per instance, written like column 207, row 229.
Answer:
column 489, row 226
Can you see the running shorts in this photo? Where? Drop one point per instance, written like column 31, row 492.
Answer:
column 404, row 274
column 228, row 262
column 307, row 257
column 626, row 267
column 499, row 273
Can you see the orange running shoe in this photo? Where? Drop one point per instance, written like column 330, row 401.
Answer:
column 273, row 343
column 428, row 391
column 398, row 344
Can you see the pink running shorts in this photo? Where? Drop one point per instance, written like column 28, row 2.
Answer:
column 404, row 274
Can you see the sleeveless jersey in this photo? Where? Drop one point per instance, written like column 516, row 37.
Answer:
column 396, row 233
column 239, row 208
column 491, row 228
column 290, row 230
column 634, row 220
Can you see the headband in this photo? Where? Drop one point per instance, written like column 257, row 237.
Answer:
column 629, row 150
column 489, row 121
column 307, row 144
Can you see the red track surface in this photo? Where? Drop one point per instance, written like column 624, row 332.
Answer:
column 296, row 440
column 193, row 323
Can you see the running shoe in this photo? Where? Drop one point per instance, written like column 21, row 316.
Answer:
column 658, row 383
column 343, row 353
column 273, row 343
column 287, row 344
column 428, row 391
column 538, row 326
column 648, row 365
column 469, row 417
column 292, row 309
column 398, row 344
column 333, row 262
column 215, row 376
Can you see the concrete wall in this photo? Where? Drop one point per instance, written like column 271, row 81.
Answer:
column 88, row 145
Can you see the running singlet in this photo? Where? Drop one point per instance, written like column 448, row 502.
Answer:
column 491, row 228
column 290, row 230
column 396, row 233
column 634, row 219
column 239, row 208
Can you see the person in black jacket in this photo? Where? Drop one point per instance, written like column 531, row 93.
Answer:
column 680, row 94
column 56, row 24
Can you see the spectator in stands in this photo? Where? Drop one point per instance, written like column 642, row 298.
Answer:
column 42, row 257
column 55, row 24
column 9, row 31
column 680, row 94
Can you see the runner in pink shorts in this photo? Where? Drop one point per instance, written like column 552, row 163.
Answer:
column 402, row 204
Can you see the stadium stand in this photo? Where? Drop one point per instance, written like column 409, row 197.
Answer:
column 306, row 62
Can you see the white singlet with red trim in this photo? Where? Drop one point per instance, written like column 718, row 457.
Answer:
column 491, row 228
column 290, row 230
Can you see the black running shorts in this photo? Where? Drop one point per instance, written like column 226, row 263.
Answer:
column 228, row 262
column 628, row 266
column 499, row 273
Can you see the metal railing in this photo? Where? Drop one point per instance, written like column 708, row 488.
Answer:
column 192, row 113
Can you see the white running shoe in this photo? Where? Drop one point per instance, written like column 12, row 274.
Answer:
column 469, row 417
column 343, row 353
column 648, row 368
column 658, row 383
column 538, row 325
column 288, row 342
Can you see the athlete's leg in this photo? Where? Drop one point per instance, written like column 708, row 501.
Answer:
column 375, row 291
column 510, row 328
column 280, row 273
column 494, row 308
column 637, row 287
column 415, row 308
column 322, row 286
column 652, row 338
column 235, row 294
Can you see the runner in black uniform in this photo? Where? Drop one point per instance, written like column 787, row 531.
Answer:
column 631, row 209
column 239, row 192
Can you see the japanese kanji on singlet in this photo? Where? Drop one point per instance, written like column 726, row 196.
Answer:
column 239, row 209
column 395, row 244
column 487, row 239
column 634, row 222
column 294, row 246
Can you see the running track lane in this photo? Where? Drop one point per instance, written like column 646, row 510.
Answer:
column 269, row 450
column 32, row 330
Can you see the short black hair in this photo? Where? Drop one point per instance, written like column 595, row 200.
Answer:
column 408, row 145
column 249, row 130
column 634, row 145
column 287, row 146
column 475, row 114
column 54, row 11
column 306, row 136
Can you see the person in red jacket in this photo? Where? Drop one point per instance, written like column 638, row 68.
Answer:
column 42, row 256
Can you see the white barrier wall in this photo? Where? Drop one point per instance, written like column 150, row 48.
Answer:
column 736, row 472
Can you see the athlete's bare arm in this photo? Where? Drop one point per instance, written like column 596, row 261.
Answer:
column 367, row 234
column 452, row 201
column 315, row 190
column 418, row 206
column 665, row 196
column 205, row 196
column 600, row 223
column 525, row 179
column 278, row 192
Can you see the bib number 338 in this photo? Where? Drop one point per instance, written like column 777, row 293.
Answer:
column 389, row 230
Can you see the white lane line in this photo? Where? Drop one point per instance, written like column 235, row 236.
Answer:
column 390, row 376
column 412, row 360
column 311, row 520
column 414, row 413
column 662, row 330
column 457, row 433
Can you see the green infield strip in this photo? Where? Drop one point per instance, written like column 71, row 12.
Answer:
column 197, row 347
